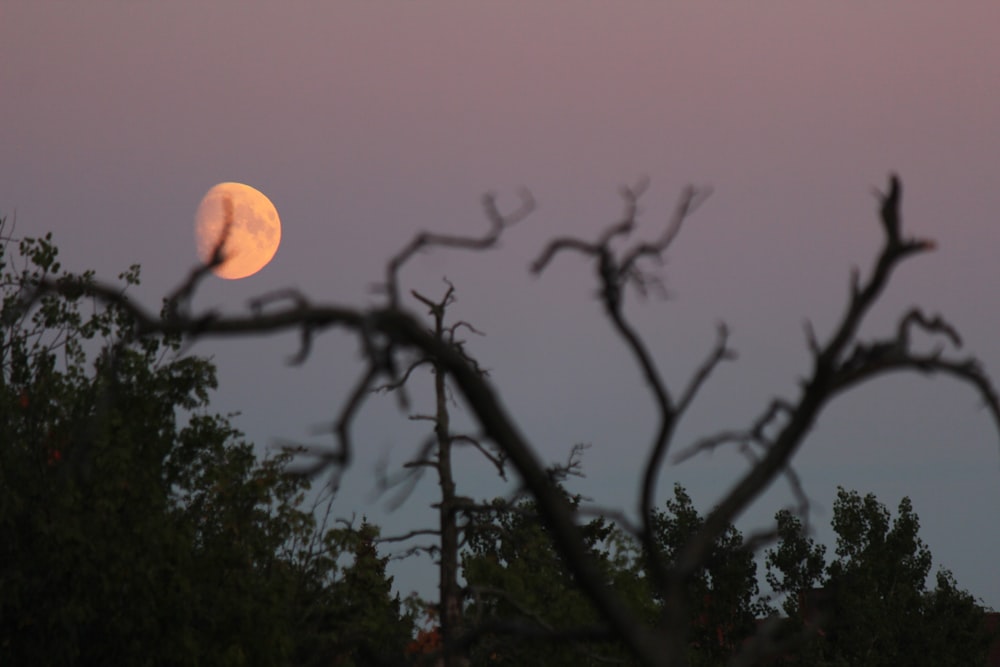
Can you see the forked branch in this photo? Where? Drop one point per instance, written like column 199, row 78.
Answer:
column 498, row 223
column 391, row 332
column 839, row 364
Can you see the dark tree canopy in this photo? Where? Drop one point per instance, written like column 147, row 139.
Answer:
column 696, row 568
column 140, row 529
column 870, row 605
column 515, row 575
column 723, row 596
column 518, row 584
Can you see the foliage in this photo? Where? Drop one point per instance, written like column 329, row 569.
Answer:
column 392, row 338
column 871, row 604
column 515, row 572
column 363, row 621
column 723, row 597
column 140, row 529
column 796, row 564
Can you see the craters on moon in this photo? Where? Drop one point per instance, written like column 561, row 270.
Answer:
column 244, row 221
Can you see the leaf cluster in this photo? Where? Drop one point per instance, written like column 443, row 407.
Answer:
column 871, row 604
column 138, row 527
column 514, row 571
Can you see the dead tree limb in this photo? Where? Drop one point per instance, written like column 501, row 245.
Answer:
column 834, row 370
column 391, row 332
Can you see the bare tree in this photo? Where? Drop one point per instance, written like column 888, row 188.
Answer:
column 391, row 333
column 436, row 454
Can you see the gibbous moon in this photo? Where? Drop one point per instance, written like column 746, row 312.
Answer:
column 247, row 222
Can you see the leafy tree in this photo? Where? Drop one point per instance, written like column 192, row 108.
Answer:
column 796, row 564
column 391, row 335
column 871, row 604
column 879, row 577
column 137, row 528
column 355, row 619
column 436, row 455
column 515, row 573
column 960, row 634
column 723, row 597
column 519, row 585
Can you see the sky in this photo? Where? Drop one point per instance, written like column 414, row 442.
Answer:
column 366, row 122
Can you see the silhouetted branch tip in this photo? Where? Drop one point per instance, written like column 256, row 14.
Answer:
column 890, row 209
column 391, row 334
column 498, row 223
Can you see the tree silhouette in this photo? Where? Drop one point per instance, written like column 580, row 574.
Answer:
column 870, row 605
column 138, row 528
column 390, row 333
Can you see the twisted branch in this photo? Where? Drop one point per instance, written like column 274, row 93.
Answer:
column 498, row 223
column 839, row 364
column 834, row 371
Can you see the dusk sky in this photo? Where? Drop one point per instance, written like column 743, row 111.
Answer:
column 365, row 122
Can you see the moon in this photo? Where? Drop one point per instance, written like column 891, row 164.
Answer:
column 244, row 221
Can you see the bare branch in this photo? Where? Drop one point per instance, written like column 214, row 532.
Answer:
column 556, row 246
column 498, row 460
column 436, row 308
column 340, row 457
column 936, row 324
column 613, row 274
column 416, row 463
column 177, row 302
column 690, row 200
column 408, row 478
column 573, row 466
column 259, row 303
column 407, row 536
column 401, row 380
column 462, row 324
column 811, row 339
column 827, row 379
column 389, row 332
column 721, row 352
column 968, row 370
column 709, row 444
column 342, row 426
column 498, row 222
column 427, row 549
column 890, row 210
column 619, row 518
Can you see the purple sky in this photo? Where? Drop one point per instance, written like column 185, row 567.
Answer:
column 364, row 122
